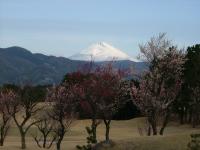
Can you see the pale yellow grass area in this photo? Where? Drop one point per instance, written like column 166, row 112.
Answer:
column 123, row 133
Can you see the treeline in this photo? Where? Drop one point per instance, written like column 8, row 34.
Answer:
column 169, row 89
column 188, row 104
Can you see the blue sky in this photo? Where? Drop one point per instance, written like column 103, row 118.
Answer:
column 64, row 27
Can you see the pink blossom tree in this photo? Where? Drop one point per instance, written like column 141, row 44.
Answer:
column 84, row 82
column 88, row 101
column 6, row 98
column 160, row 86
column 110, row 92
column 101, row 94
column 62, row 101
column 24, row 109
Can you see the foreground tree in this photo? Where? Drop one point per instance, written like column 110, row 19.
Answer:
column 100, row 94
column 63, row 104
column 88, row 102
column 160, row 86
column 6, row 96
column 25, row 108
column 155, row 48
column 46, row 135
column 84, row 82
column 111, row 93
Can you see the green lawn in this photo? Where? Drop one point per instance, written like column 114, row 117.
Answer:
column 123, row 133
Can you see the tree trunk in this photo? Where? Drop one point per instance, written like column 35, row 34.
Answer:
column 1, row 141
column 165, row 122
column 194, row 116
column 186, row 115
column 23, row 141
column 58, row 144
column 44, row 142
column 198, row 117
column 194, row 120
column 61, row 135
column 149, row 130
column 153, row 122
column 190, row 116
column 162, row 130
column 182, row 116
column 154, row 127
column 94, row 130
column 107, row 133
column 154, row 130
column 2, row 136
column 107, row 123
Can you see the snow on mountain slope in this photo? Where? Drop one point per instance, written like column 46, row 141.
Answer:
column 101, row 52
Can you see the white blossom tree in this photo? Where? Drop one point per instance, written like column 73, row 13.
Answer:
column 160, row 86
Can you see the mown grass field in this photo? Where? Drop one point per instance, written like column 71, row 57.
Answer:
column 124, row 134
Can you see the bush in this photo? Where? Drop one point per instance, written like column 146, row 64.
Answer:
column 194, row 144
column 90, row 140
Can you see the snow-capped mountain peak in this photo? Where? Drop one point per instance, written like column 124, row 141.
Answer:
column 101, row 52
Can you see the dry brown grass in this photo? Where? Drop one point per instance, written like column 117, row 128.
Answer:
column 124, row 134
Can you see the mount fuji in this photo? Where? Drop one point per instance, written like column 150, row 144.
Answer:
column 101, row 52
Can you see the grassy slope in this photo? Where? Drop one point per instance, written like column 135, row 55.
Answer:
column 123, row 133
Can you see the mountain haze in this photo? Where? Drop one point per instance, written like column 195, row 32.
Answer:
column 20, row 66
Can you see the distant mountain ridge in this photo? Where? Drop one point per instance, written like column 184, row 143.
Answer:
column 20, row 66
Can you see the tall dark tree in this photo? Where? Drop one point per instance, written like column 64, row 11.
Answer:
column 192, row 69
column 186, row 106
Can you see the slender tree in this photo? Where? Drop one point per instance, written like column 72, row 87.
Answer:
column 6, row 96
column 111, row 93
column 63, row 107
column 46, row 136
column 83, row 82
column 100, row 93
column 88, row 102
column 26, row 107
